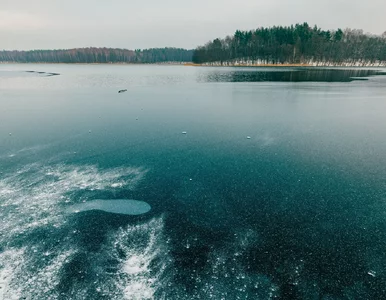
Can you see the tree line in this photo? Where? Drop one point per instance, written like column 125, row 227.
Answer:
column 295, row 44
column 98, row 55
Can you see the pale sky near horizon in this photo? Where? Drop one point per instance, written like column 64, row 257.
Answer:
column 54, row 24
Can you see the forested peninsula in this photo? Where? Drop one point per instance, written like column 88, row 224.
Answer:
column 298, row 44
column 98, row 55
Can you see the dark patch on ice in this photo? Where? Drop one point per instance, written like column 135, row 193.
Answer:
column 308, row 74
column 47, row 74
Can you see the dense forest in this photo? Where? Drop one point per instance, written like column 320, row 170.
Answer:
column 299, row 44
column 98, row 55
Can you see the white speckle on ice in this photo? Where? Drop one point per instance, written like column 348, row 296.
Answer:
column 33, row 197
column 145, row 260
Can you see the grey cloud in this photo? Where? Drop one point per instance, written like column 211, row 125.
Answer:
column 141, row 24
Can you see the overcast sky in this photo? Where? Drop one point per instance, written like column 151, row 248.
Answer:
column 53, row 24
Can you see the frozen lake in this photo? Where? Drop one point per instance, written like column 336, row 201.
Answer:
column 263, row 183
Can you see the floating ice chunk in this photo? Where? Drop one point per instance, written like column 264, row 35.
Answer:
column 118, row 206
column 372, row 273
column 248, row 137
column 184, row 132
column 10, row 133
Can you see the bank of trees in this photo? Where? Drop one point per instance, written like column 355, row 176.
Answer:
column 98, row 55
column 294, row 44
column 298, row 43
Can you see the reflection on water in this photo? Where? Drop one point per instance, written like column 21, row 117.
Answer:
column 292, row 75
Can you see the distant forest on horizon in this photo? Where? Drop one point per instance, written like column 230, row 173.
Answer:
column 295, row 44
column 98, row 55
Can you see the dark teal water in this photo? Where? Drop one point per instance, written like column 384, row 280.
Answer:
column 276, row 191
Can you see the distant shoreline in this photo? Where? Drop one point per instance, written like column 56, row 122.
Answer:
column 194, row 65
column 75, row 63
column 250, row 65
column 279, row 65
